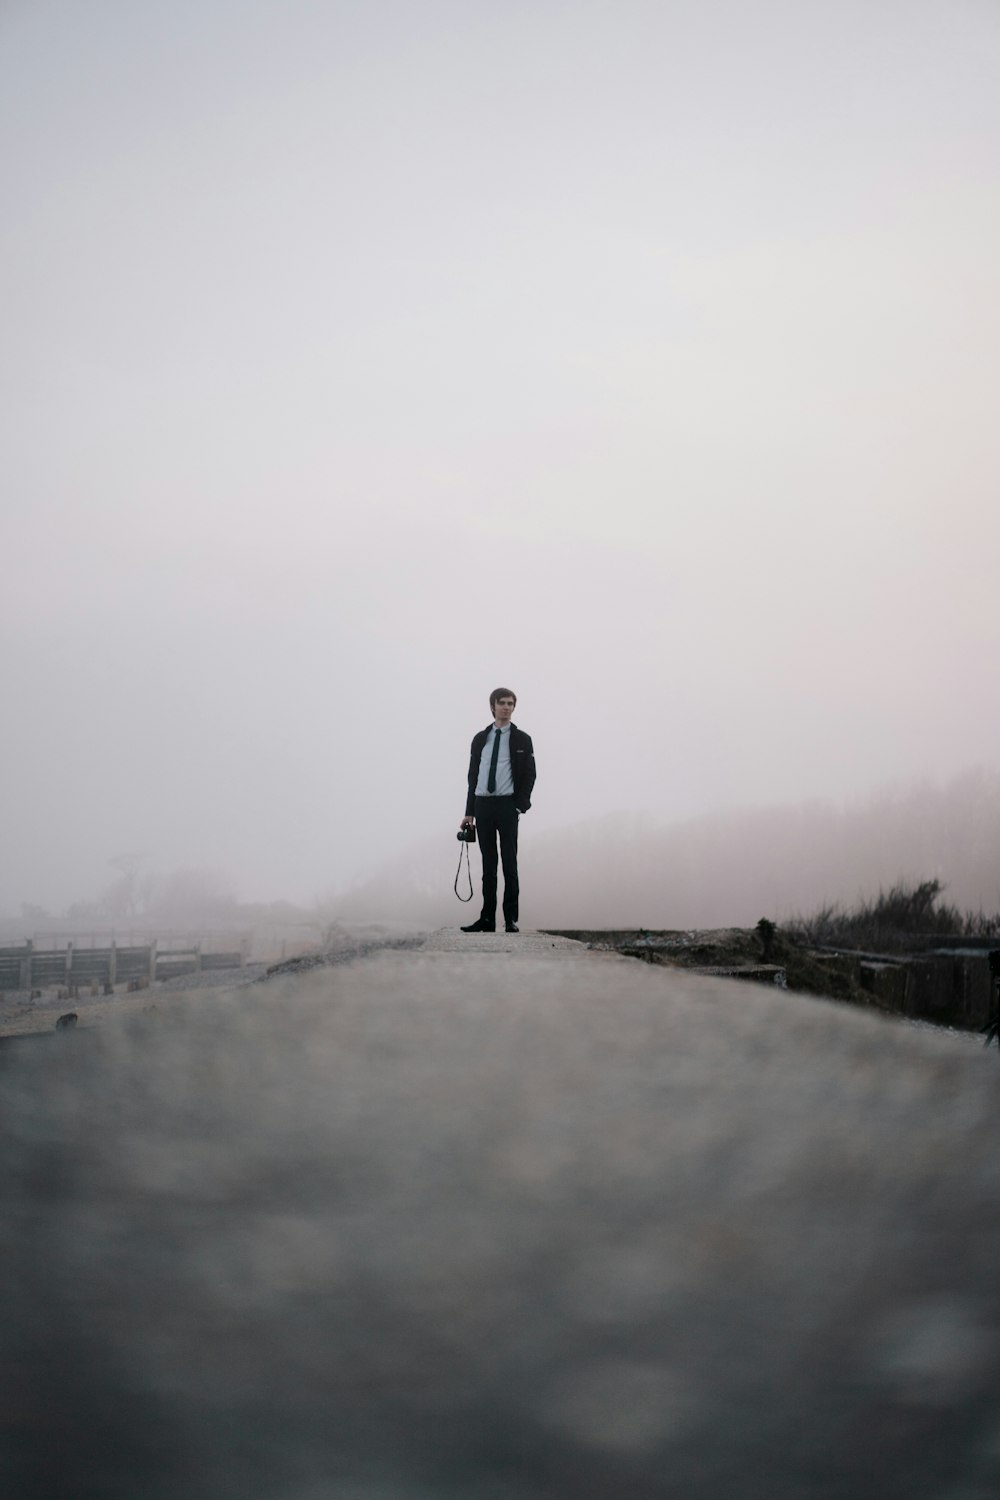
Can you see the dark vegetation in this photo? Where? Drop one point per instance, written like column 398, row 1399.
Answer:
column 820, row 952
column 895, row 921
column 884, row 953
column 902, row 926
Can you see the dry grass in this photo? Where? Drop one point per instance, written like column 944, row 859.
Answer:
column 891, row 921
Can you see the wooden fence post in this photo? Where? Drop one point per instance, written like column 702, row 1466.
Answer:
column 152, row 962
column 26, row 966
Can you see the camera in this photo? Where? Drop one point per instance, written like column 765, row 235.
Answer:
column 466, row 835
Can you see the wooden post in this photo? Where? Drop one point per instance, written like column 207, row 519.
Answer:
column 26, row 967
column 69, row 962
column 113, row 964
column 152, row 962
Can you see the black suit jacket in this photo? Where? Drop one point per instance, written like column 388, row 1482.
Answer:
column 522, row 766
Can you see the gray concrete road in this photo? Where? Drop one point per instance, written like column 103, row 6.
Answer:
column 497, row 1220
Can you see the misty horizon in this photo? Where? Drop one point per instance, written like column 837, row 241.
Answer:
column 360, row 360
column 620, row 870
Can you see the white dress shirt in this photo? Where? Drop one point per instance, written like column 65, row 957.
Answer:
column 505, row 777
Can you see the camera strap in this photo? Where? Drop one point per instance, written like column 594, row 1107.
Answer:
column 464, row 850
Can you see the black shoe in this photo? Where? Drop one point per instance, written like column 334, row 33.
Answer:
column 481, row 926
column 511, row 927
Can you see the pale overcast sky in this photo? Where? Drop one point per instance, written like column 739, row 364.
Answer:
column 360, row 358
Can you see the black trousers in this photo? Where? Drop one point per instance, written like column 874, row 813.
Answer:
column 498, row 815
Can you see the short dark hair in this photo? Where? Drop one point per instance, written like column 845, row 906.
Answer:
column 502, row 693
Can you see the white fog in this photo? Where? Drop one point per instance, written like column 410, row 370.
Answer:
column 358, row 360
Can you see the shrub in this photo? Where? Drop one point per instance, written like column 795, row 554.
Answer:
column 892, row 920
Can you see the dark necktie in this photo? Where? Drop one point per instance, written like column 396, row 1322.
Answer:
column 491, row 784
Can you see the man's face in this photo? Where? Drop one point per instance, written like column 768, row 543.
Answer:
column 502, row 710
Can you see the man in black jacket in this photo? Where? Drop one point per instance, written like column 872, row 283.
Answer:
column 501, row 776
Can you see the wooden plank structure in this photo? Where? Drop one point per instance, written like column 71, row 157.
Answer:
column 26, row 967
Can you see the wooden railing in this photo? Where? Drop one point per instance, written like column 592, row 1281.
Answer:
column 29, row 968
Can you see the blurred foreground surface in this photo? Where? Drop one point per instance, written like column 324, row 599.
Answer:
column 497, row 1223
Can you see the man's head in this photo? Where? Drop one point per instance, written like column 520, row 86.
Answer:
column 502, row 702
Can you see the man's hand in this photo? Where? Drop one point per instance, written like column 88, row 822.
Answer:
column 468, row 823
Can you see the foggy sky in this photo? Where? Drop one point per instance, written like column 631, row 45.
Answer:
column 359, row 359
